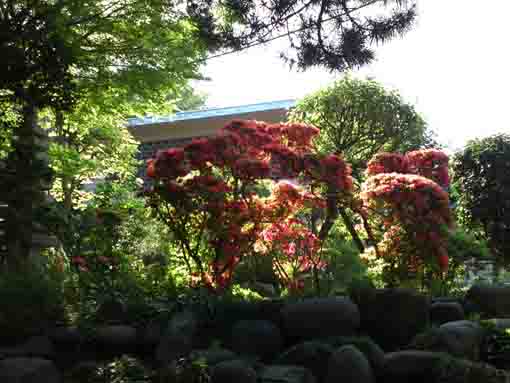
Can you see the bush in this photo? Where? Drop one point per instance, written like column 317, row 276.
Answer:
column 344, row 265
column 462, row 246
column 31, row 303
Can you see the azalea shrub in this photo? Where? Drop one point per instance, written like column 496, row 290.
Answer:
column 213, row 196
column 261, row 190
column 406, row 197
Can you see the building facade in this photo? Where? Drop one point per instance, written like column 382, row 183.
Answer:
column 155, row 133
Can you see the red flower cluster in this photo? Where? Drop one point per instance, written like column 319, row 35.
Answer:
column 419, row 206
column 388, row 163
column 430, row 163
column 299, row 247
column 205, row 190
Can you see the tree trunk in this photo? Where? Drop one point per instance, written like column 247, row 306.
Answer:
column 67, row 191
column 24, row 192
column 67, row 182
column 352, row 231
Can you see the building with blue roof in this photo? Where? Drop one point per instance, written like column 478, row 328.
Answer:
column 160, row 132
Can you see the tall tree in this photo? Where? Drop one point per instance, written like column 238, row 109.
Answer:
column 59, row 52
column 481, row 180
column 92, row 144
column 334, row 34
column 359, row 118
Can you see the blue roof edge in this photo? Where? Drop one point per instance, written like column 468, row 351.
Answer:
column 213, row 112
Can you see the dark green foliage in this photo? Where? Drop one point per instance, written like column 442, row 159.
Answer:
column 481, row 178
column 334, row 34
column 31, row 303
column 57, row 49
column 37, row 58
column 462, row 246
column 344, row 265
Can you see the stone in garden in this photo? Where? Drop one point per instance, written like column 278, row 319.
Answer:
column 349, row 365
column 83, row 372
column 372, row 351
column 313, row 355
column 213, row 356
column 413, row 366
column 320, row 317
column 228, row 313
column 445, row 300
column 151, row 334
column 233, row 371
column 465, row 371
column 461, row 339
column 425, row 367
column 393, row 317
column 37, row 346
column 443, row 312
column 66, row 335
column 256, row 338
column 285, row 374
column 28, row 370
column 178, row 339
column 493, row 301
column 111, row 311
column 116, row 336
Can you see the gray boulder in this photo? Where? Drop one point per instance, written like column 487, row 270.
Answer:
column 112, row 311
column 413, row 366
column 372, row 351
column 179, row 337
column 427, row 367
column 285, row 374
column 443, row 312
column 461, row 339
column 348, row 365
column 256, row 338
column 152, row 333
column 233, row 371
column 37, row 346
column 28, row 370
column 393, row 317
column 116, row 336
column 66, row 335
column 83, row 372
column 320, row 317
column 313, row 355
column 491, row 301
column 213, row 356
